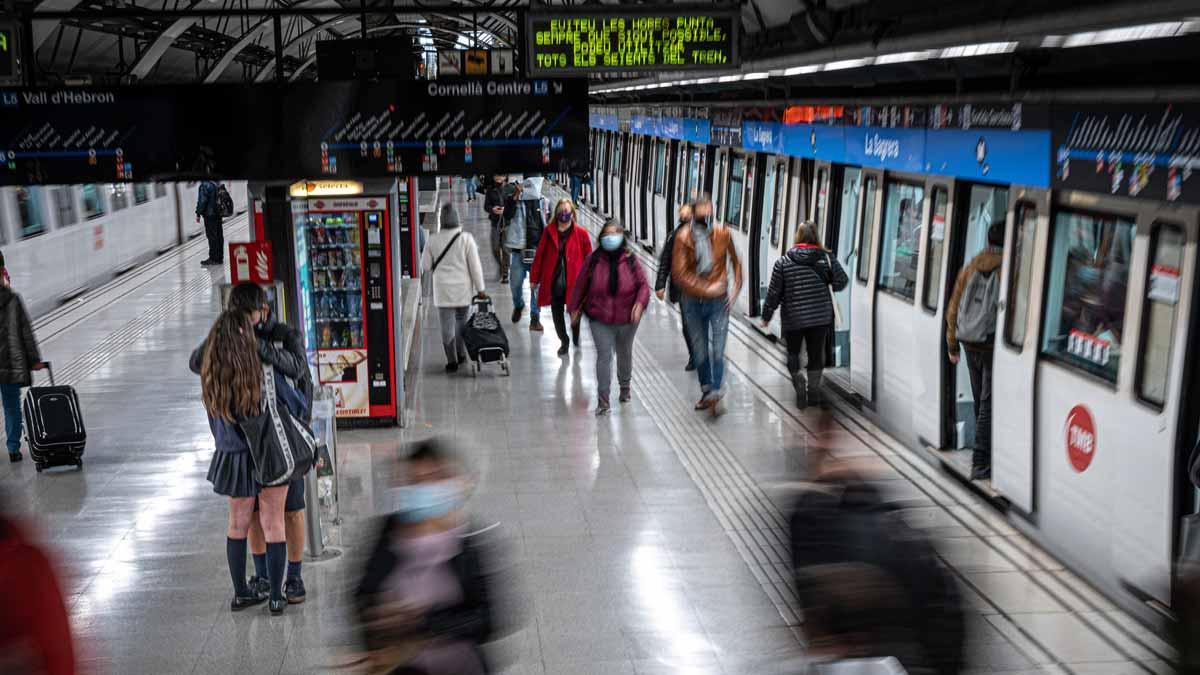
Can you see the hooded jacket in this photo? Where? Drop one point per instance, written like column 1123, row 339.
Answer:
column 18, row 349
column 545, row 261
column 800, row 285
column 986, row 261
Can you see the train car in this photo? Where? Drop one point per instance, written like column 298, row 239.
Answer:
column 1094, row 402
column 61, row 240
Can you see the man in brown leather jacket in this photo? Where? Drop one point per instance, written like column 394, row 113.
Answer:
column 700, row 267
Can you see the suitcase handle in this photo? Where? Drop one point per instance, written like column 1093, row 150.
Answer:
column 49, row 371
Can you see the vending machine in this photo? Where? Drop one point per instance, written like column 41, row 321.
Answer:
column 344, row 276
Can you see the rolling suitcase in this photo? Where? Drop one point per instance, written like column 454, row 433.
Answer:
column 485, row 338
column 54, row 425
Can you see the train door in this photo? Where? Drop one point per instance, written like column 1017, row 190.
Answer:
column 1014, row 359
column 862, row 298
column 1109, row 385
column 766, row 233
column 671, row 150
column 645, row 188
column 661, row 220
column 720, row 181
column 625, row 178
column 840, row 239
column 615, row 169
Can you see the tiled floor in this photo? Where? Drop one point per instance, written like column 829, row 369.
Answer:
column 648, row 541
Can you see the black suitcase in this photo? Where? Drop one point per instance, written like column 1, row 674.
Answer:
column 54, row 425
column 485, row 338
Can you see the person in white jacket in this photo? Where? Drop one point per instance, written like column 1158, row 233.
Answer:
column 452, row 258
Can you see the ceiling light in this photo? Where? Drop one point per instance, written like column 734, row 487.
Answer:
column 981, row 49
column 729, row 78
column 800, row 70
column 706, row 80
column 848, row 63
column 1149, row 31
column 904, row 57
column 756, row 76
column 1052, row 41
column 684, row 83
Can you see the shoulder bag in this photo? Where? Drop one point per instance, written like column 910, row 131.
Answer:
column 446, row 250
column 281, row 446
column 838, row 322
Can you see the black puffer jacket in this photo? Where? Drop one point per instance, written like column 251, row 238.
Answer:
column 18, row 348
column 800, row 284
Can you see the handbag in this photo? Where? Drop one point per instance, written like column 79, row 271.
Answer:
column 281, row 446
column 838, row 322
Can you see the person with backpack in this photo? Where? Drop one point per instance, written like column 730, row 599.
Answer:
column 525, row 218
column 452, row 258
column 673, row 294
column 971, row 323
column 613, row 291
column 801, row 283
column 18, row 358
column 560, row 255
column 212, row 202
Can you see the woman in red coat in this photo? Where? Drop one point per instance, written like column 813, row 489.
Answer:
column 560, row 255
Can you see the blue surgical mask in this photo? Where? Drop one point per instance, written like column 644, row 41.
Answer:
column 564, row 217
column 422, row 501
column 612, row 242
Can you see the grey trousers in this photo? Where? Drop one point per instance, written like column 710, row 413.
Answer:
column 609, row 337
column 453, row 320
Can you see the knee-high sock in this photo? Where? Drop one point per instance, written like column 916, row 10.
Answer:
column 235, row 554
column 276, row 567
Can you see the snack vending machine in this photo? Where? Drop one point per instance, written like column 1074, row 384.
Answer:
column 343, row 268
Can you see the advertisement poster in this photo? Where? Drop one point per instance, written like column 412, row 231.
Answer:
column 346, row 371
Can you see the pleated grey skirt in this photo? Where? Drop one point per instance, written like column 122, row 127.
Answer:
column 232, row 474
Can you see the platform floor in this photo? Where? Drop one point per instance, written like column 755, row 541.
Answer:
column 649, row 541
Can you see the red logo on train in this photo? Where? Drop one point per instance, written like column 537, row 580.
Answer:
column 1081, row 438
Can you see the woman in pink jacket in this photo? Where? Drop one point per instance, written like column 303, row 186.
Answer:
column 612, row 290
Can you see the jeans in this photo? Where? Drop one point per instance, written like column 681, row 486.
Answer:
column 517, row 270
column 11, row 395
column 979, row 366
column 472, row 185
column 708, row 322
column 611, row 337
column 216, row 238
column 453, row 320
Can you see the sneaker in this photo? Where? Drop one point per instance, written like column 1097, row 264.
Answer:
column 277, row 606
column 702, row 404
column 452, row 367
column 259, row 585
column 626, row 395
column 516, row 315
column 15, row 457
column 602, row 407
column 293, row 590
column 535, row 326
column 690, row 367
column 241, row 602
column 563, row 349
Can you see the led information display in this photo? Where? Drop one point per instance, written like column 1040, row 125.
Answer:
column 336, row 130
column 572, row 42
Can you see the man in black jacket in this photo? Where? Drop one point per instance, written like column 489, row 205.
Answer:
column 208, row 209
column 664, row 273
column 18, row 356
column 493, row 205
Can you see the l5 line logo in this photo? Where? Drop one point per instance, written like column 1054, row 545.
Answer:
column 9, row 99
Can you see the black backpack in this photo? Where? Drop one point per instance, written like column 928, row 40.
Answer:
column 224, row 202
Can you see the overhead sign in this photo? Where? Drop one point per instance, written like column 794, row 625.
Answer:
column 992, row 143
column 331, row 130
column 1142, row 151
column 631, row 40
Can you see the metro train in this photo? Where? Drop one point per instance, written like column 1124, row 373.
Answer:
column 60, row 240
column 1094, row 398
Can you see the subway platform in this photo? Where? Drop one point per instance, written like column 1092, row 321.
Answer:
column 652, row 540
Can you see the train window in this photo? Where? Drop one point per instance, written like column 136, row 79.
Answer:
column 903, row 205
column 866, row 231
column 1021, row 266
column 1085, row 294
column 693, row 192
column 737, row 178
column 937, row 246
column 1158, row 313
column 822, row 196
column 141, row 193
column 780, row 200
column 615, row 168
column 160, row 190
column 93, row 207
column 64, row 203
column 117, row 197
column 660, row 165
column 29, row 210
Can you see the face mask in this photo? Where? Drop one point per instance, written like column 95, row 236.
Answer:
column 422, row 501
column 612, row 242
column 702, row 221
column 564, row 217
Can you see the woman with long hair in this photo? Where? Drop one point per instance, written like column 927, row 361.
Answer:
column 800, row 284
column 560, row 255
column 231, row 380
column 613, row 291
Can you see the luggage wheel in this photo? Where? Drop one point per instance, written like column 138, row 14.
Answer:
column 39, row 467
column 504, row 367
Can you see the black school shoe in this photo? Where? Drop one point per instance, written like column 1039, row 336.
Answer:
column 452, row 367
column 293, row 590
column 259, row 585
column 516, row 315
column 277, row 606
column 209, row 262
column 241, row 602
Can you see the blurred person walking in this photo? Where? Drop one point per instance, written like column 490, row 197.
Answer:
column 705, row 266
column 452, row 258
column 801, row 285
column 425, row 600
column 560, row 255
column 19, row 356
column 672, row 293
column 35, row 630
column 493, row 205
column 230, row 365
column 613, row 291
column 524, row 215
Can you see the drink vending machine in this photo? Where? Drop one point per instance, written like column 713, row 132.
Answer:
column 344, row 275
